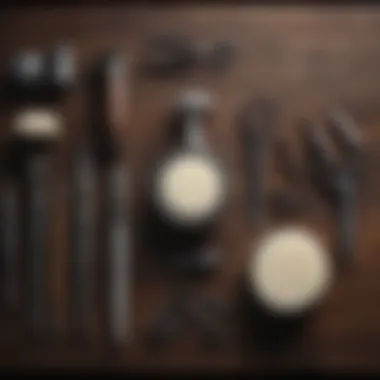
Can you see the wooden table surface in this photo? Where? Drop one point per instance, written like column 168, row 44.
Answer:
column 309, row 60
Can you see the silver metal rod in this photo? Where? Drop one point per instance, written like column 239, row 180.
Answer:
column 120, row 274
column 37, row 173
column 194, row 132
column 82, row 260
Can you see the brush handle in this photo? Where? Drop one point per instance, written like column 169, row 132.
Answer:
column 10, row 246
column 83, row 253
column 37, row 173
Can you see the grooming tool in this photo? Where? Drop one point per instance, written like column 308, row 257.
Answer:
column 35, row 131
column 82, row 263
column 340, row 179
column 114, row 81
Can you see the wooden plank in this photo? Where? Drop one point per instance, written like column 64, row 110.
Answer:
column 310, row 60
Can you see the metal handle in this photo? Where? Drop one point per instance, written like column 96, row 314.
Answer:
column 193, row 134
column 120, row 258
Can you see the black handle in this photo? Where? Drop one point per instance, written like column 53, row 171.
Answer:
column 347, row 216
column 10, row 246
column 82, row 256
column 37, row 171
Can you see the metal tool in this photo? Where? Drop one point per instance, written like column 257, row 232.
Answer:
column 82, row 258
column 187, row 220
column 36, row 76
column 120, row 273
column 193, row 107
column 113, row 100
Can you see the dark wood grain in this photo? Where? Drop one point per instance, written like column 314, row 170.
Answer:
column 310, row 60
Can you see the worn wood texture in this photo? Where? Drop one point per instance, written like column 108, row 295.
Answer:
column 310, row 60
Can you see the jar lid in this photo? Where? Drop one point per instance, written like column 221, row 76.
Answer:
column 289, row 271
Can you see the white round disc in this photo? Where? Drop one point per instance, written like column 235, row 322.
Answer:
column 290, row 270
column 190, row 187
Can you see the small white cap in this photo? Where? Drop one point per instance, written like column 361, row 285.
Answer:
column 37, row 124
column 190, row 188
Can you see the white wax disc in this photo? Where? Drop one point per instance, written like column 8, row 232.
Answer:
column 190, row 187
column 290, row 270
column 37, row 124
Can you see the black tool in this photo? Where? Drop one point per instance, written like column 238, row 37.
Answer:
column 184, row 216
column 339, row 180
column 258, row 123
column 181, row 236
column 37, row 77
column 35, row 131
column 351, row 143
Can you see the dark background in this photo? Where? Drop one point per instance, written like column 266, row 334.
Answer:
column 310, row 59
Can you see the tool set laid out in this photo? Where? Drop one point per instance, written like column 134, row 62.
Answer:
column 289, row 270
